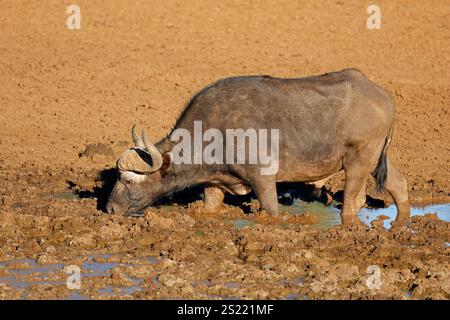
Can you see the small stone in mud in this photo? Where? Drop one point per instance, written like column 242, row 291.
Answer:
column 158, row 221
column 46, row 259
column 377, row 223
column 96, row 149
column 305, row 254
column 199, row 233
column 59, row 236
column 231, row 249
column 18, row 205
column 64, row 195
column 170, row 280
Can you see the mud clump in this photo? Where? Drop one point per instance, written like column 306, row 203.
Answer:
column 94, row 150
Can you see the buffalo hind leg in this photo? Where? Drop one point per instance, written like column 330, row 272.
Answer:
column 265, row 188
column 355, row 189
column 213, row 199
column 361, row 197
column 397, row 185
column 357, row 168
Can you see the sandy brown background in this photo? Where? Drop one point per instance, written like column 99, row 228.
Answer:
column 62, row 91
column 140, row 61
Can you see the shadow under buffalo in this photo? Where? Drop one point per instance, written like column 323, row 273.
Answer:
column 288, row 192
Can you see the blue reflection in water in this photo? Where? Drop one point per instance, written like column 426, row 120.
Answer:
column 329, row 215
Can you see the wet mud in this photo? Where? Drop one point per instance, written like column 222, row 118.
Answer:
column 68, row 99
column 176, row 250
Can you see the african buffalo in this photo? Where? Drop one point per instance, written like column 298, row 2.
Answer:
column 327, row 123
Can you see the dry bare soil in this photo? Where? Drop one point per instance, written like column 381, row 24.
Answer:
column 139, row 62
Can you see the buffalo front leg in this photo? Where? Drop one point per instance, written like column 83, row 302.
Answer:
column 265, row 188
column 397, row 186
column 213, row 199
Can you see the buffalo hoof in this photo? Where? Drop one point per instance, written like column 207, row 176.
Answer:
column 400, row 222
column 212, row 209
column 351, row 220
column 213, row 199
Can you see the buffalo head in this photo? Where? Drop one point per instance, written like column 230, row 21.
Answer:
column 139, row 181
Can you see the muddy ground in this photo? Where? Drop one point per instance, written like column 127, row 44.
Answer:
column 68, row 99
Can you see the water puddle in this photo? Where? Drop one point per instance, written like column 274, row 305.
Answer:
column 119, row 291
column 220, row 297
column 329, row 215
column 408, row 294
column 207, row 283
column 22, row 269
column 77, row 296
column 368, row 215
column 98, row 269
column 233, row 285
column 240, row 223
column 22, row 274
column 295, row 282
column 296, row 296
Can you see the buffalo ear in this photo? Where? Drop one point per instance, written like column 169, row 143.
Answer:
column 167, row 162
